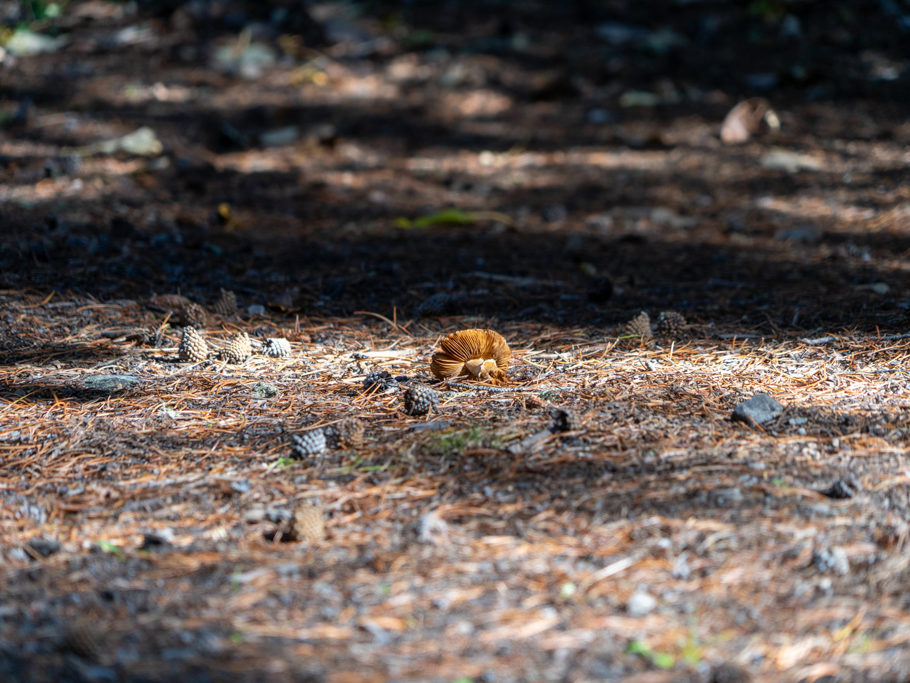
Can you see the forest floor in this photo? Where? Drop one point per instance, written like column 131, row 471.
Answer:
column 548, row 171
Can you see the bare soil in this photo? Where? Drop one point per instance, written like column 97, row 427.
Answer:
column 606, row 519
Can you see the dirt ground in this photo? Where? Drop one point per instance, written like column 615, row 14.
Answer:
column 373, row 176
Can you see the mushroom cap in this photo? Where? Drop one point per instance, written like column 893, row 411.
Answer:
column 483, row 354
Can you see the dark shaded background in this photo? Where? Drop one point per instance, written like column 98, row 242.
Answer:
column 836, row 71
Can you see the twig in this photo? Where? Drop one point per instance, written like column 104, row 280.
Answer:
column 505, row 390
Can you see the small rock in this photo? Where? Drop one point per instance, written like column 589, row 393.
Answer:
column 430, row 426
column 153, row 541
column 110, row 383
column 681, row 569
column 757, row 410
column 600, row 289
column 141, row 142
column 432, row 529
column 762, row 80
column 841, row 489
column 881, row 288
column 599, row 116
column 279, row 136
column 729, row 496
column 790, row 162
column 25, row 43
column 564, row 420
column 264, row 390
column 729, row 673
column 45, row 547
column 640, row 604
column 832, row 559
column 250, row 61
column 806, row 233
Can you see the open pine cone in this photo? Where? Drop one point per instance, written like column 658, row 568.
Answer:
column 478, row 354
column 192, row 348
column 226, row 305
column 238, row 350
column 639, row 326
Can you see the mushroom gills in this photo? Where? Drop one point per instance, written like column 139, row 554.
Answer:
column 477, row 353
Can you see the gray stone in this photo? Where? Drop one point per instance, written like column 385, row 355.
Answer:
column 841, row 488
column 729, row 496
column 806, row 233
column 757, row 410
column 640, row 604
column 45, row 547
column 681, row 569
column 264, row 390
column 110, row 383
column 832, row 559
column 791, row 162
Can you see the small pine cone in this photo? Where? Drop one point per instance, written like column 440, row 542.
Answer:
column 670, row 324
column 348, row 432
column 191, row 314
column 419, row 400
column 564, row 421
column 193, row 348
column 238, row 350
column 309, row 443
column 437, row 304
column 182, row 311
column 379, row 381
column 226, row 305
column 309, row 523
column 276, row 347
column 83, row 641
column 639, row 326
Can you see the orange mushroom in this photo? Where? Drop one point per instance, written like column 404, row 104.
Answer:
column 478, row 354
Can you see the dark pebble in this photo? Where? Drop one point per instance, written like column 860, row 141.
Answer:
column 841, row 489
column 757, row 410
column 45, row 547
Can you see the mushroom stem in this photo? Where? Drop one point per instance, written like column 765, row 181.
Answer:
column 475, row 366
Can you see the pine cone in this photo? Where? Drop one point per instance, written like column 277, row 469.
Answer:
column 195, row 315
column 379, row 381
column 309, row 523
column 436, row 304
column 83, row 641
column 238, row 350
column 348, row 432
column 226, row 305
column 276, row 347
column 639, row 326
column 670, row 324
column 419, row 400
column 309, row 443
column 182, row 310
column 193, row 348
